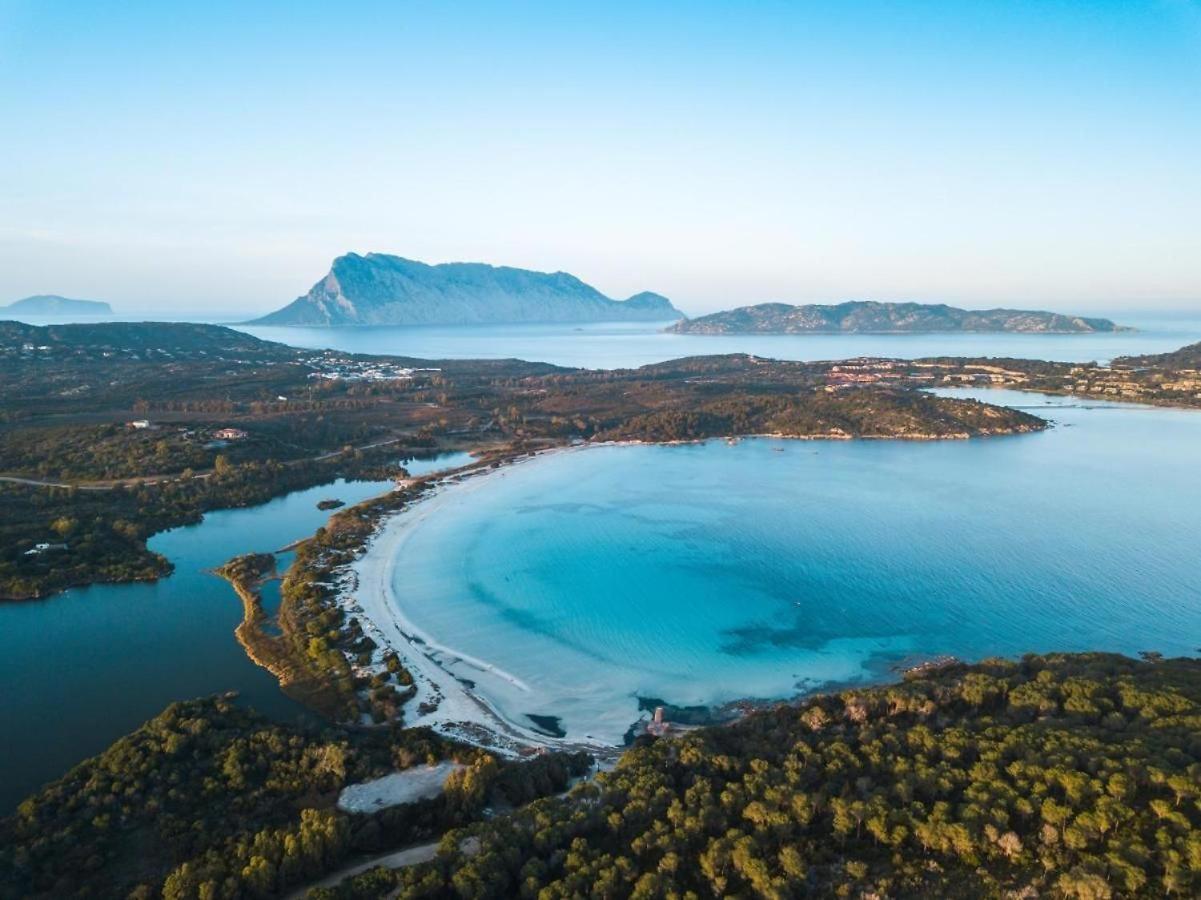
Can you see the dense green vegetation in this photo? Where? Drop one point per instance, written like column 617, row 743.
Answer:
column 209, row 800
column 1185, row 358
column 875, row 413
column 116, row 451
column 1061, row 776
column 317, row 641
column 105, row 531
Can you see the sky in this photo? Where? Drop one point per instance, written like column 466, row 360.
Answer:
column 213, row 158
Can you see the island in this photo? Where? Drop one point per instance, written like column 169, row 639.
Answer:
column 872, row 317
column 379, row 289
column 54, row 305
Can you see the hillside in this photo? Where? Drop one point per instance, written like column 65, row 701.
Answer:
column 54, row 305
column 869, row 316
column 1071, row 776
column 1056, row 776
column 378, row 289
column 104, row 340
column 1185, row 358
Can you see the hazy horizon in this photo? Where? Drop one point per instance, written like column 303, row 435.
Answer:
column 215, row 160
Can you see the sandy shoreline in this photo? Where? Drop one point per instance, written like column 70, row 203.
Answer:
column 458, row 694
column 452, row 707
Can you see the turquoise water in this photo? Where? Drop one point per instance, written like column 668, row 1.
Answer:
column 86, row 666
column 623, row 345
column 706, row 573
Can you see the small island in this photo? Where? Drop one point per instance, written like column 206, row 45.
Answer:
column 872, row 317
column 54, row 305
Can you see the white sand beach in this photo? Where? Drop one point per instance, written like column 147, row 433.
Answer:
column 451, row 707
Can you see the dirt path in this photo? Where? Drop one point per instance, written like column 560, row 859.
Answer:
column 397, row 859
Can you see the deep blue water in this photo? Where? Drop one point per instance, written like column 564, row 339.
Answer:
column 86, row 666
column 705, row 573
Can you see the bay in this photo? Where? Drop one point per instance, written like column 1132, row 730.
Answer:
column 707, row 573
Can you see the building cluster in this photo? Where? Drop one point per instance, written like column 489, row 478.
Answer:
column 658, row 726
column 340, row 368
column 39, row 549
column 217, row 437
column 856, row 372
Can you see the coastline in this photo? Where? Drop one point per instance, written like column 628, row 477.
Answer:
column 443, row 701
column 452, row 687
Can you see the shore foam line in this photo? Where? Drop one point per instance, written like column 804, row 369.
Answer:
column 451, row 706
column 428, row 643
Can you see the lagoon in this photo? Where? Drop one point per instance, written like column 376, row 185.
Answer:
column 84, row 667
column 707, row 573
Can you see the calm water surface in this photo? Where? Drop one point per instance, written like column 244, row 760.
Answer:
column 610, row 345
column 706, row 573
column 624, row 345
column 87, row 666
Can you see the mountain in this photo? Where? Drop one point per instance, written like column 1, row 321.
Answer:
column 378, row 289
column 882, row 318
column 54, row 305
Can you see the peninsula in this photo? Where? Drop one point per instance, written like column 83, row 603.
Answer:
column 871, row 317
column 378, row 289
column 116, row 431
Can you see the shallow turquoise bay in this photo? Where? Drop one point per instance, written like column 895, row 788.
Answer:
column 706, row 573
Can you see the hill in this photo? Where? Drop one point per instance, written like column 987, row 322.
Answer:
column 54, row 305
column 105, row 340
column 1072, row 776
column 1185, row 358
column 868, row 316
column 378, row 289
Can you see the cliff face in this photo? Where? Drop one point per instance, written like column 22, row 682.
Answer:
column 870, row 316
column 378, row 289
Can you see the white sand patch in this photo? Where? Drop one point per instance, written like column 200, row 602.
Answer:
column 456, row 711
column 409, row 786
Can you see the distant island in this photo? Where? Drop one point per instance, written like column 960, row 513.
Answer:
column 54, row 305
column 378, row 289
column 869, row 316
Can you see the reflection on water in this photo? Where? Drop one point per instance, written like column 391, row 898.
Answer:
column 84, row 667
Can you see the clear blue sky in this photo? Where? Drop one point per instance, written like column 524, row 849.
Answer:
column 216, row 156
